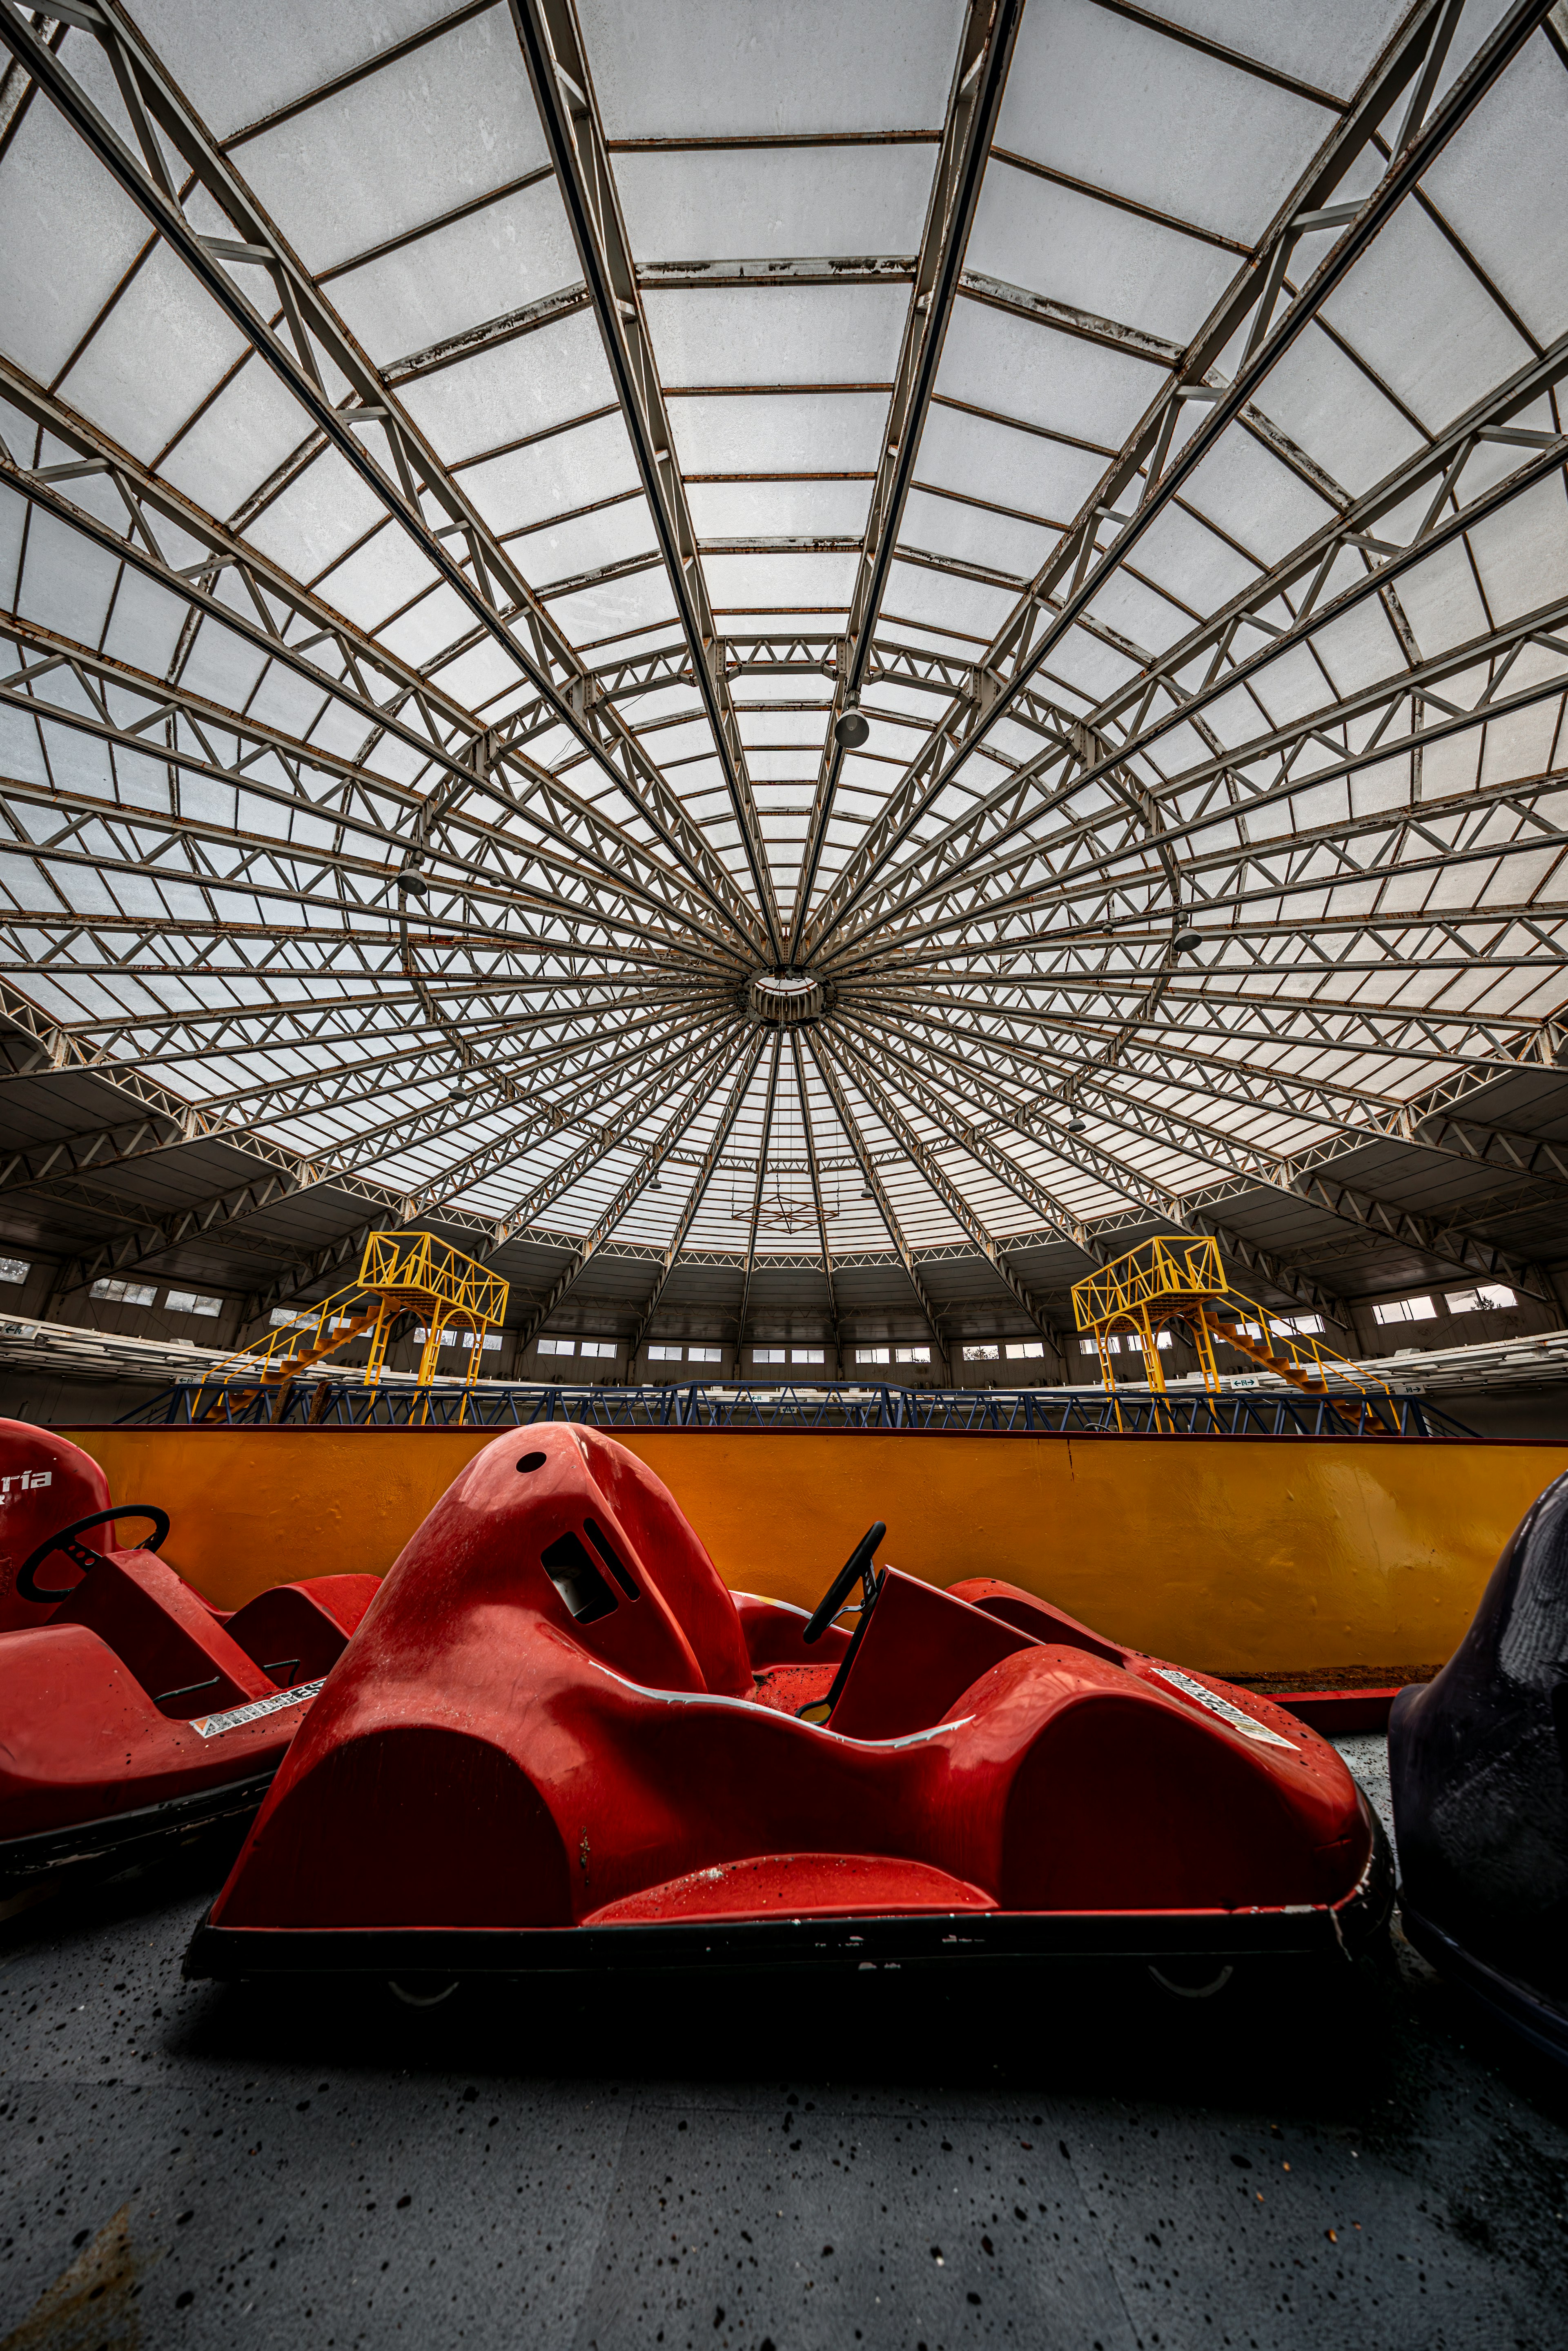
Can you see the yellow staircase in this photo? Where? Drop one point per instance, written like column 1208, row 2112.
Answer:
column 1177, row 1278
column 400, row 1273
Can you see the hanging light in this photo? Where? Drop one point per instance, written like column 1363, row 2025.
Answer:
column 852, row 727
column 1076, row 1125
column 1185, row 939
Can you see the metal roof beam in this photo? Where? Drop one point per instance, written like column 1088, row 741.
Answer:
column 766, row 1138
column 646, row 1171
column 878, row 1191
column 693, row 1198
column 974, row 103
column 814, row 1171
column 487, row 584
column 1085, row 1092
column 550, row 41
column 930, row 1167
column 1159, row 825
column 1040, row 621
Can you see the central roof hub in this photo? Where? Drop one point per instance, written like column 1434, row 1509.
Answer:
column 785, row 998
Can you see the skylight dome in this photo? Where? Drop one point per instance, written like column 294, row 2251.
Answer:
column 463, row 466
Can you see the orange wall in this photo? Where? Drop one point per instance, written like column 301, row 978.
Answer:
column 1250, row 1555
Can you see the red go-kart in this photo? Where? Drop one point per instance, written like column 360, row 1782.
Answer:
column 558, row 1741
column 131, row 1710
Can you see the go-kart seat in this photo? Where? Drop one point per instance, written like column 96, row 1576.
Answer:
column 296, row 1631
column 46, row 1483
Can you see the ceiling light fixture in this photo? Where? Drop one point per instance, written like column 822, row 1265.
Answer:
column 851, row 729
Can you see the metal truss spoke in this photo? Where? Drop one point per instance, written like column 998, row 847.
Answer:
column 680, row 1068
column 698, row 1096
column 946, row 1190
column 878, row 1190
column 814, row 1171
column 1190, row 804
column 489, row 586
column 483, row 760
column 1154, row 1206
column 1012, row 807
column 762, row 1149
column 1151, row 1121
column 1145, row 469
column 563, row 92
column 974, row 102
column 693, row 1198
column 603, row 1082
column 345, row 796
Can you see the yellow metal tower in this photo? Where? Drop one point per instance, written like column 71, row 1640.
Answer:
column 1179, row 1278
column 400, row 1273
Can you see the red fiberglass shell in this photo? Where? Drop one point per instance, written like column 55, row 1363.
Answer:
column 130, row 1709
column 558, row 1739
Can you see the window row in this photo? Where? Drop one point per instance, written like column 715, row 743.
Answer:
column 175, row 1301
column 1486, row 1298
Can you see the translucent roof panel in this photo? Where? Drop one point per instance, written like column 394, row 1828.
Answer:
column 833, row 639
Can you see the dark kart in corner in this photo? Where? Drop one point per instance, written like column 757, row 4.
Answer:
column 133, row 1712
column 559, row 1742
column 1478, row 1764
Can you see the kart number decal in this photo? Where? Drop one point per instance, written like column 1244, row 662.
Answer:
column 213, row 1726
column 1222, row 1707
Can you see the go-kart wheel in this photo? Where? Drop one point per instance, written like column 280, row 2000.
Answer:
column 412, row 1999
column 1192, row 1979
column 859, row 1564
column 65, row 1541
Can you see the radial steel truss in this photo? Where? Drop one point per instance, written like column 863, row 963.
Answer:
column 437, row 572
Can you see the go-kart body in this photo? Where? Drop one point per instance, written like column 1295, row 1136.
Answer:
column 131, row 1710
column 560, row 1741
column 1478, row 1768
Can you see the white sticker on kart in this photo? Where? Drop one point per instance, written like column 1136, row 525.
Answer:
column 1246, row 1723
column 213, row 1726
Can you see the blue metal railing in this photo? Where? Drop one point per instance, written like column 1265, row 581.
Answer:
column 1056, row 1412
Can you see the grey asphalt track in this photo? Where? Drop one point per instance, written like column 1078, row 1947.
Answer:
column 1040, row 2161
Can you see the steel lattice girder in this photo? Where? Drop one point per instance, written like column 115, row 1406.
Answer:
column 1151, row 1119
column 1144, row 837
column 1252, row 296
column 693, row 1198
column 878, row 1190
column 473, row 756
column 762, row 1148
column 832, row 1040
column 346, row 797
column 547, row 659
column 1011, row 807
column 698, row 1096
column 974, row 103
column 546, row 31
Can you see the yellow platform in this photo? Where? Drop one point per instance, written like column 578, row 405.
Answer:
column 1249, row 1556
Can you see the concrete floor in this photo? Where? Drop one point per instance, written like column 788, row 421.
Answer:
column 1045, row 2163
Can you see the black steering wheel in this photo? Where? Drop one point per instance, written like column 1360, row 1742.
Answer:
column 859, row 1564
column 65, row 1541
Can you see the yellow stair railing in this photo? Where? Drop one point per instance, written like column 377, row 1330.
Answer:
column 1176, row 1278
column 400, row 1273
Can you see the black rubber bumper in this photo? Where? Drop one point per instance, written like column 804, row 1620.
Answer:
column 1223, row 1937
column 122, row 1838
column 1532, row 2016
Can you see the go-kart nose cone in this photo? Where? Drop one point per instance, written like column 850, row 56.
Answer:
column 851, row 729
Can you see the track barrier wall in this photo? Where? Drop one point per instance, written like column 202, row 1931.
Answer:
column 1255, row 1555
